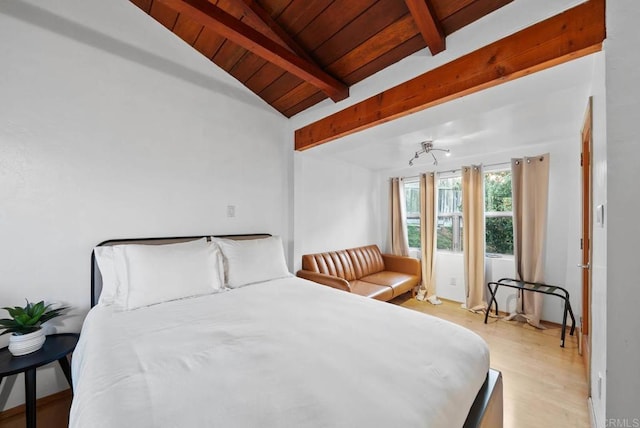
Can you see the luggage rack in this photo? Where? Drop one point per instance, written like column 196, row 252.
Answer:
column 535, row 287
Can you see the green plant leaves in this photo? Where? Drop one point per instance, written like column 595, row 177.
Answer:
column 52, row 314
column 29, row 318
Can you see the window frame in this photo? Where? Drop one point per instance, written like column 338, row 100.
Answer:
column 412, row 215
column 457, row 223
column 496, row 214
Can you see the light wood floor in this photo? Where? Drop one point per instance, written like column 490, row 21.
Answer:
column 544, row 385
column 52, row 412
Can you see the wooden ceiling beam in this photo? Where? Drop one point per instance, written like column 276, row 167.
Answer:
column 259, row 13
column 427, row 22
column 211, row 16
column 574, row 33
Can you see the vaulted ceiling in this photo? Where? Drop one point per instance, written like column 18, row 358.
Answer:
column 295, row 53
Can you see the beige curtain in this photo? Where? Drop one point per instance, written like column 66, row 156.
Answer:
column 399, row 245
column 428, row 238
column 473, row 236
column 530, row 189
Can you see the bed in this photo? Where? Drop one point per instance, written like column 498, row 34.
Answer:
column 280, row 352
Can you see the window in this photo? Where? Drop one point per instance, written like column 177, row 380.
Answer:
column 449, row 233
column 498, row 212
column 412, row 199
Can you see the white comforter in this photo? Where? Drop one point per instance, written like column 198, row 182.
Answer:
column 284, row 353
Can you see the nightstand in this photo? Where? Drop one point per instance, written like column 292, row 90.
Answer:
column 56, row 347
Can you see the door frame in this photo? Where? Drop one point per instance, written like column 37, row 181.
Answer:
column 586, row 145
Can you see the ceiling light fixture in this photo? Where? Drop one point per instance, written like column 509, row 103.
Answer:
column 427, row 147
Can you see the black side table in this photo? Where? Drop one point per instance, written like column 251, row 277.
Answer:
column 56, row 347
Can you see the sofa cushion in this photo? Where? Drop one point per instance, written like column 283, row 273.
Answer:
column 334, row 263
column 366, row 260
column 399, row 282
column 369, row 289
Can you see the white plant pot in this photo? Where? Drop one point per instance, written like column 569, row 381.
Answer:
column 26, row 343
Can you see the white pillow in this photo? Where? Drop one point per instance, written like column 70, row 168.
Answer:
column 253, row 260
column 159, row 273
column 104, row 259
column 120, row 267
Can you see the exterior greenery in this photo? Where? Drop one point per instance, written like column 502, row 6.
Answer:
column 413, row 233
column 449, row 233
column 498, row 209
column 444, row 241
column 499, row 235
column 498, row 215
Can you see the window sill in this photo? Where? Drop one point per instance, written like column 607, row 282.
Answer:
column 499, row 256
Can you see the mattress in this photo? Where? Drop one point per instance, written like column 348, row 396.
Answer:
column 282, row 353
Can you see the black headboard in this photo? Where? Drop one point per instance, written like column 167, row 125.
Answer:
column 96, row 277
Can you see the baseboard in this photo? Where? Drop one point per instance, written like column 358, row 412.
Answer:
column 40, row 402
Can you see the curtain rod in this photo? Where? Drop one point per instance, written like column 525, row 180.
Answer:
column 457, row 169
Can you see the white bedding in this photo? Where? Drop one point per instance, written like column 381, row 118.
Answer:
column 283, row 353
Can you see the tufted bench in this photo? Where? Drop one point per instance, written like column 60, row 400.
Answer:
column 363, row 270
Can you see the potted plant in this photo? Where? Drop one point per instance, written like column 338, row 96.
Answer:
column 25, row 326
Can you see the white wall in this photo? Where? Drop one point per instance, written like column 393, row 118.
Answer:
column 598, row 333
column 450, row 278
column 110, row 126
column 623, row 230
column 337, row 206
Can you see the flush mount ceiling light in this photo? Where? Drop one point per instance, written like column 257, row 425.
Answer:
column 427, row 147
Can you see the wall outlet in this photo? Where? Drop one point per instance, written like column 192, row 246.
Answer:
column 231, row 210
column 453, row 282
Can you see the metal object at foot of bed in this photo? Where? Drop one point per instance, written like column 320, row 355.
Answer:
column 535, row 287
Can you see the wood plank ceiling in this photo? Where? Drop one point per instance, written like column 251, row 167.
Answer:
column 295, row 53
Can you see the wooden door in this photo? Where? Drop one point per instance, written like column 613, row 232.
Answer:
column 585, row 241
